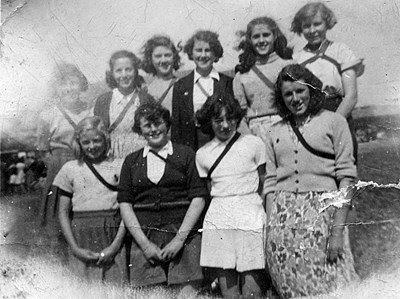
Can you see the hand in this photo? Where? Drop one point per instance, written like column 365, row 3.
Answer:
column 172, row 248
column 106, row 255
column 152, row 253
column 86, row 255
column 335, row 248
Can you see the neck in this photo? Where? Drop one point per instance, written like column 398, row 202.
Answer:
column 315, row 47
column 128, row 91
column 262, row 59
column 158, row 148
column 97, row 160
column 300, row 120
column 165, row 77
column 204, row 73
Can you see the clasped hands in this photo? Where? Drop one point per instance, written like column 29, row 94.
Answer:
column 100, row 258
column 155, row 254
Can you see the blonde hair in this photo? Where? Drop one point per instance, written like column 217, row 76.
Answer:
column 85, row 125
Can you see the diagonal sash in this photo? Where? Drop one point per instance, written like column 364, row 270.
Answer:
column 202, row 89
column 320, row 54
column 123, row 112
column 263, row 77
column 163, row 96
column 99, row 177
column 66, row 116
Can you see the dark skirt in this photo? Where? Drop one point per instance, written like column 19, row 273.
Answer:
column 160, row 228
column 96, row 230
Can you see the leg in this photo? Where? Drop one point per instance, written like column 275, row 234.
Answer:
column 253, row 283
column 228, row 283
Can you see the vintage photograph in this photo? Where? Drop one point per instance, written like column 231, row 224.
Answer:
column 199, row 149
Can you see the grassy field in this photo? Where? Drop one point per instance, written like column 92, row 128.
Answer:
column 28, row 271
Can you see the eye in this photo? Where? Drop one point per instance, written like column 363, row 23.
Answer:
column 256, row 36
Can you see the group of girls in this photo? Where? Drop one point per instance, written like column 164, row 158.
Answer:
column 259, row 198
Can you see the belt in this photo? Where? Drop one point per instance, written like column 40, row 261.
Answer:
column 157, row 206
column 261, row 115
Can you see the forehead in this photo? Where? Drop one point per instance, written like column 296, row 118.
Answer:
column 91, row 134
column 260, row 28
column 293, row 85
column 314, row 17
column 201, row 44
column 162, row 50
column 122, row 62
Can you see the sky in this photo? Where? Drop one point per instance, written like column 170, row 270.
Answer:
column 38, row 34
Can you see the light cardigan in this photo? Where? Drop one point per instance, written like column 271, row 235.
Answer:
column 291, row 167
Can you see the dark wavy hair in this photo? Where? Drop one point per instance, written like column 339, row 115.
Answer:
column 138, row 81
column 207, row 36
column 152, row 111
column 308, row 11
column 248, row 57
column 296, row 72
column 212, row 109
column 150, row 45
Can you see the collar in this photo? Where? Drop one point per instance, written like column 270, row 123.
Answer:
column 213, row 74
column 118, row 96
column 306, row 48
column 219, row 142
column 271, row 58
column 164, row 152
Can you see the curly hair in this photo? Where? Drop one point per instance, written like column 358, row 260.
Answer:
column 308, row 11
column 296, row 72
column 248, row 57
column 206, row 36
column 85, row 125
column 152, row 111
column 150, row 45
column 212, row 108
column 110, row 80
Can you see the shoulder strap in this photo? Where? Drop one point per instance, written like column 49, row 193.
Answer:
column 202, row 89
column 66, row 116
column 123, row 112
column 307, row 146
column 263, row 77
column 162, row 98
column 99, row 177
column 167, row 161
column 320, row 54
column 222, row 155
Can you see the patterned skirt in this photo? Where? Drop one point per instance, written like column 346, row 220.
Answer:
column 296, row 248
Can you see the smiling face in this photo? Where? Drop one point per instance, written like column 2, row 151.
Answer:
column 296, row 96
column 162, row 59
column 262, row 40
column 223, row 126
column 93, row 145
column 203, row 57
column 155, row 133
column 314, row 30
column 124, row 74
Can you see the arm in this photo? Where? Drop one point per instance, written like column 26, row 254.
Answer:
column 349, row 82
column 108, row 253
column 261, row 175
column 192, row 216
column 63, row 214
column 151, row 251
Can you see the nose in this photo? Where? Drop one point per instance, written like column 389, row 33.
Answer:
column 224, row 124
column 312, row 29
column 153, row 127
column 295, row 97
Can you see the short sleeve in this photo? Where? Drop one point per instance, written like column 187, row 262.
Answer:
column 201, row 168
column 238, row 91
column 196, row 186
column 260, row 151
column 348, row 59
column 63, row 179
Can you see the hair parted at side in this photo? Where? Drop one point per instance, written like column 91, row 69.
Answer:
column 212, row 108
column 248, row 57
column 308, row 11
column 138, row 81
column 206, row 36
column 151, row 111
column 89, row 124
column 296, row 72
column 150, row 45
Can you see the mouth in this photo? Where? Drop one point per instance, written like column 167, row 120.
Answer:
column 164, row 64
column 262, row 46
column 154, row 135
column 125, row 81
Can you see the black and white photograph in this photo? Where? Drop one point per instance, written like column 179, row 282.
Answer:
column 200, row 149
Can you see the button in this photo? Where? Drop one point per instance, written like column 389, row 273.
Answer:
column 296, row 172
column 277, row 140
column 296, row 151
column 297, row 181
column 295, row 161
